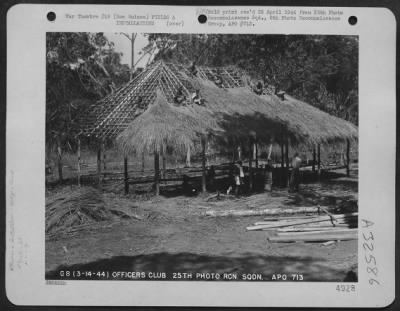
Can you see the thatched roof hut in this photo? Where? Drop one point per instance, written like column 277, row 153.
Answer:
column 227, row 104
column 231, row 103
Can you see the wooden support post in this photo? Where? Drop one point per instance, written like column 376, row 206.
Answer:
column 203, row 165
column 157, row 172
column 164, row 165
column 79, row 162
column 188, row 157
column 239, row 151
column 59, row 161
column 142, row 162
column 126, row 177
column 282, row 175
column 348, row 158
column 319, row 159
column 287, row 162
column 251, row 165
column 103, row 149
column 313, row 159
column 256, row 153
column 99, row 166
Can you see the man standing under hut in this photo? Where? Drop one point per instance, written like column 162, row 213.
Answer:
column 295, row 175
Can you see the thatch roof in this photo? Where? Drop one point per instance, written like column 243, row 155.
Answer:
column 164, row 126
column 230, row 103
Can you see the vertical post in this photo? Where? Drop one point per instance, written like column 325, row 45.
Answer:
column 132, row 55
column 250, row 165
column 59, row 161
column 348, row 158
column 282, row 175
column 164, row 164
column 203, row 164
column 126, row 175
column 103, row 148
column 142, row 162
column 188, row 157
column 313, row 159
column 239, row 150
column 287, row 162
column 99, row 165
column 157, row 172
column 79, row 162
column 256, row 153
column 319, row 159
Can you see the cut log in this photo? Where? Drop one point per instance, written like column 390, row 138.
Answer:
column 318, row 237
column 272, row 211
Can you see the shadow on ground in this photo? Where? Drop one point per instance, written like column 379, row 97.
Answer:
column 312, row 269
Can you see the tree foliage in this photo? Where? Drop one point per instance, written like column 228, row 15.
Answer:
column 81, row 68
column 321, row 70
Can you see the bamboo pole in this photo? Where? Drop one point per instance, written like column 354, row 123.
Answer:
column 348, row 158
column 59, row 161
column 142, row 162
column 203, row 165
column 126, row 175
column 287, row 162
column 250, row 166
column 314, row 158
column 103, row 148
column 79, row 162
column 319, row 159
column 188, row 164
column 99, row 165
column 157, row 172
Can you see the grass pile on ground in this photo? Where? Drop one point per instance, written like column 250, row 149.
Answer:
column 72, row 207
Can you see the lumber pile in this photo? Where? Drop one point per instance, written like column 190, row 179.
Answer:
column 309, row 228
column 71, row 208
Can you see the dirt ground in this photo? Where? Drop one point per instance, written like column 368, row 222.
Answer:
column 175, row 236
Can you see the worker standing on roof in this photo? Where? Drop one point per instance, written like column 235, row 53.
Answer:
column 295, row 175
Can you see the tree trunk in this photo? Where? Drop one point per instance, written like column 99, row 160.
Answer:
column 79, row 162
column 126, row 175
column 203, row 165
column 157, row 172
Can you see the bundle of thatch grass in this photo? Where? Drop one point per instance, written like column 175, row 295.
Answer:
column 83, row 206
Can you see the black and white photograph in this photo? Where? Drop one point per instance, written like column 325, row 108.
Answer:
column 201, row 157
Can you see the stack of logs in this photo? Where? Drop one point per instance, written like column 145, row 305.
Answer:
column 309, row 228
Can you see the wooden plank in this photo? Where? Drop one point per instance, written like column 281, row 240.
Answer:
column 316, row 237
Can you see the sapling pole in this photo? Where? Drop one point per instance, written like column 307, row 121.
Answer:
column 79, row 162
column 126, row 175
column 203, row 164
column 157, row 172
column 314, row 158
column 348, row 158
column 319, row 159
